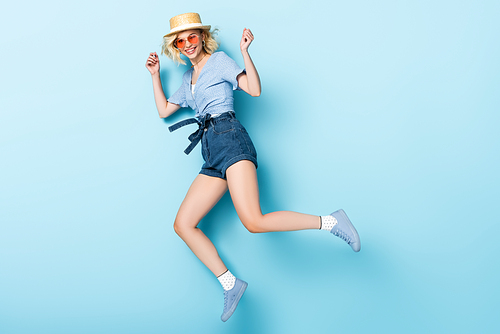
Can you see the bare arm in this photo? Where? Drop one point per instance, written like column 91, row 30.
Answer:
column 164, row 107
column 249, row 82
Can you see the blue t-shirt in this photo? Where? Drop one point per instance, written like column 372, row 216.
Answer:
column 213, row 93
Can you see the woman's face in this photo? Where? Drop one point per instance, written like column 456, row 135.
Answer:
column 190, row 43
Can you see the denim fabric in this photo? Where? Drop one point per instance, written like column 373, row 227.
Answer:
column 224, row 141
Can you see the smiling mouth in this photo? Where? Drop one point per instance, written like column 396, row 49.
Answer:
column 190, row 51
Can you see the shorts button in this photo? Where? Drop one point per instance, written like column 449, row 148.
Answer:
column 205, row 129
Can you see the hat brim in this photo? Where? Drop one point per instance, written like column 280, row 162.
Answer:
column 188, row 27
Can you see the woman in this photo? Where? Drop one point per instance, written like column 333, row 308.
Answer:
column 228, row 152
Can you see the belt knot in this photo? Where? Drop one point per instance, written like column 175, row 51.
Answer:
column 195, row 137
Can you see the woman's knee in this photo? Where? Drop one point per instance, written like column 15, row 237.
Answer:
column 182, row 226
column 177, row 227
column 253, row 224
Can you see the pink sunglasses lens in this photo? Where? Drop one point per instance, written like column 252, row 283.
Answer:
column 193, row 39
column 180, row 43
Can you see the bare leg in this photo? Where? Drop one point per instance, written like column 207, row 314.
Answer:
column 203, row 194
column 242, row 183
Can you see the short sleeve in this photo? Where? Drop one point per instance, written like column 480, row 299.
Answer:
column 179, row 97
column 230, row 70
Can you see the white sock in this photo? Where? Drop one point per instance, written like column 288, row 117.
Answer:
column 328, row 222
column 227, row 280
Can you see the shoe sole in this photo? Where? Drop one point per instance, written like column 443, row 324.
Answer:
column 236, row 301
column 342, row 213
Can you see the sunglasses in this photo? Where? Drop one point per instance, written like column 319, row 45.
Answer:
column 180, row 43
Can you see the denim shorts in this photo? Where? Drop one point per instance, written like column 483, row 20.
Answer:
column 224, row 142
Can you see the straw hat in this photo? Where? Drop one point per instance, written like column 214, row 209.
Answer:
column 186, row 21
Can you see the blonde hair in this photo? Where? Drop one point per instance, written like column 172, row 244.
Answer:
column 169, row 50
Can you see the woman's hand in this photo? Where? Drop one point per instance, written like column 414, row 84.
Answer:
column 249, row 81
column 153, row 63
column 246, row 39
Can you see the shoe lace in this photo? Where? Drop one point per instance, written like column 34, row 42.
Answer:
column 343, row 236
column 225, row 298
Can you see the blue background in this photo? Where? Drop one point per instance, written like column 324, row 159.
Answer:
column 388, row 109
